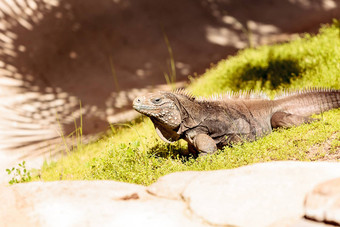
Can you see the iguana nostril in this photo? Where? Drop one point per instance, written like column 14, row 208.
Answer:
column 137, row 100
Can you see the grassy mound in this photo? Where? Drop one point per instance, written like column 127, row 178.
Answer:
column 306, row 62
column 133, row 153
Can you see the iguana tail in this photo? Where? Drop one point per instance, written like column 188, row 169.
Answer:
column 308, row 102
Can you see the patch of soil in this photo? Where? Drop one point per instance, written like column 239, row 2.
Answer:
column 326, row 151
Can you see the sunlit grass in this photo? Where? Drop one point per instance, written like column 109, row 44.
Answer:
column 129, row 157
column 134, row 153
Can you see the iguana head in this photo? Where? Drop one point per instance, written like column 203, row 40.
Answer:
column 160, row 106
column 172, row 113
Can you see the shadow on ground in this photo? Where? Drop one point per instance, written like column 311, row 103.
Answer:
column 278, row 72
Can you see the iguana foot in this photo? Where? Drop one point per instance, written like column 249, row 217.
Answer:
column 204, row 144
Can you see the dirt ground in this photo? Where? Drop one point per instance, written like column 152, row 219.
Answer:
column 71, row 63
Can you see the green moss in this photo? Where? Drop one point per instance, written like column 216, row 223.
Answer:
column 135, row 154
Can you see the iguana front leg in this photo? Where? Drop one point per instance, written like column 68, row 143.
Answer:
column 202, row 144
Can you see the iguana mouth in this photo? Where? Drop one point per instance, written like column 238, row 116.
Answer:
column 143, row 107
column 148, row 110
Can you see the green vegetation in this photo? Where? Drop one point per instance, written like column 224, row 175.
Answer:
column 170, row 76
column 135, row 154
column 306, row 62
column 19, row 174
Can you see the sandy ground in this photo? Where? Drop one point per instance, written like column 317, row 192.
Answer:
column 71, row 63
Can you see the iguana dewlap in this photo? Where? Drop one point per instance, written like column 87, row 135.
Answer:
column 209, row 124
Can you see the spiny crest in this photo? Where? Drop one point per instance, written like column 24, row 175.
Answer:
column 183, row 92
column 234, row 95
column 290, row 92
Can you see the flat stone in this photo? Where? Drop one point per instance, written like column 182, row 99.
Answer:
column 264, row 194
column 255, row 195
column 88, row 203
column 300, row 222
column 172, row 185
column 323, row 202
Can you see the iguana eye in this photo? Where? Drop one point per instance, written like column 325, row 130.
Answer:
column 156, row 100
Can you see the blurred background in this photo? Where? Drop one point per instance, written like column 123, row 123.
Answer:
column 70, row 68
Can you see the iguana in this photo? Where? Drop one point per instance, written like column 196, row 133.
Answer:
column 209, row 124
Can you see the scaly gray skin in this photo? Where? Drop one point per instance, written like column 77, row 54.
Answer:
column 209, row 124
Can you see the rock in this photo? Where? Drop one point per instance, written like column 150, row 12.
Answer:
column 88, row 203
column 255, row 195
column 301, row 222
column 264, row 194
column 172, row 185
column 323, row 203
